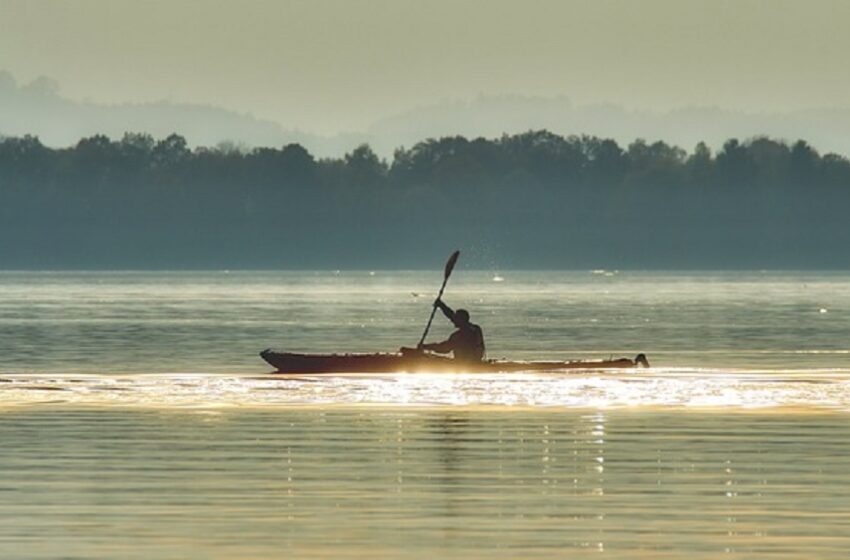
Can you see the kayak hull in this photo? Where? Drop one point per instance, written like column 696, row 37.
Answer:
column 417, row 362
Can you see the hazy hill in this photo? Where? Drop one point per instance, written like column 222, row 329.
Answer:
column 38, row 108
column 491, row 116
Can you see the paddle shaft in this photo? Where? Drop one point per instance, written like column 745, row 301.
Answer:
column 450, row 265
column 433, row 312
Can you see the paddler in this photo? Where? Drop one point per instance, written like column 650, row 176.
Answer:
column 466, row 343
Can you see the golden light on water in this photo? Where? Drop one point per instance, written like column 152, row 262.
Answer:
column 683, row 389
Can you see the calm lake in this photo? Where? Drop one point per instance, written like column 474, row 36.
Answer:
column 137, row 420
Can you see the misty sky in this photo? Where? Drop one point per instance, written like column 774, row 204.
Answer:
column 327, row 66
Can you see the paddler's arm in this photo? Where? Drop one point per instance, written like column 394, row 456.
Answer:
column 447, row 311
column 440, row 347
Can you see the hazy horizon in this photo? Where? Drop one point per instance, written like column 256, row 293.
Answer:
column 332, row 67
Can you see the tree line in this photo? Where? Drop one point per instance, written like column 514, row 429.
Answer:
column 537, row 200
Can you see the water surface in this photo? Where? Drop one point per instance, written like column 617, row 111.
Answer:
column 439, row 482
column 137, row 420
column 143, row 322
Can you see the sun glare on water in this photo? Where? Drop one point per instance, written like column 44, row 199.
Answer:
column 686, row 389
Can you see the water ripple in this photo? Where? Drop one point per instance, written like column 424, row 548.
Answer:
column 419, row 483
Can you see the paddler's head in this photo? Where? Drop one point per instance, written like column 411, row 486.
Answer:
column 461, row 318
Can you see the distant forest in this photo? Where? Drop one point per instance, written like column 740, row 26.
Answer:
column 532, row 200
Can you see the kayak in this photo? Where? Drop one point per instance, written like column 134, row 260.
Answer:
column 421, row 362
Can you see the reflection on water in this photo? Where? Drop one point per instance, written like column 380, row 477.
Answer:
column 653, row 388
column 388, row 483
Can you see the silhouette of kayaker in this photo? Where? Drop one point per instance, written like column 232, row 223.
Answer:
column 466, row 343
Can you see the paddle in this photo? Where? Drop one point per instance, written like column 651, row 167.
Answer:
column 450, row 265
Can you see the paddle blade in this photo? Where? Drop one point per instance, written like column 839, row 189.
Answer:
column 450, row 264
